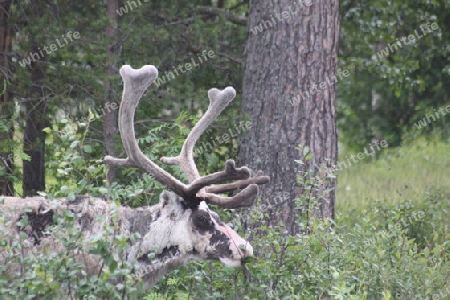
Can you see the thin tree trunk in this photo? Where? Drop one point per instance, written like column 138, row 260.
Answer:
column 110, row 115
column 6, row 105
column 34, row 136
column 293, row 54
column 35, row 120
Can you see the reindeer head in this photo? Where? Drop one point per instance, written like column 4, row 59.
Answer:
column 184, row 227
column 179, row 234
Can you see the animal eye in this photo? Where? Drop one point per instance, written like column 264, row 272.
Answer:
column 202, row 219
column 202, row 222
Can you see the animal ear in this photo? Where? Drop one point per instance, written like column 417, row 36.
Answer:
column 169, row 198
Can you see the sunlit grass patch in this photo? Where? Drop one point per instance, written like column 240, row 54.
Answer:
column 404, row 173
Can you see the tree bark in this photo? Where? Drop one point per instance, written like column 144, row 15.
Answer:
column 6, row 105
column 110, row 115
column 33, row 135
column 293, row 54
column 35, row 119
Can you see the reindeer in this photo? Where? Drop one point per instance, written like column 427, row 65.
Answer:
column 178, row 229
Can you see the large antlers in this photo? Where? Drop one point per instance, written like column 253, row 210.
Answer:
column 199, row 187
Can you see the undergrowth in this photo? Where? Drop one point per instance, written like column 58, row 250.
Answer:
column 390, row 239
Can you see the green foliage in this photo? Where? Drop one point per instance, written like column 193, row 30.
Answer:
column 385, row 96
column 73, row 171
column 10, row 148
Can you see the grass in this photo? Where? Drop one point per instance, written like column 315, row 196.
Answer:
column 405, row 173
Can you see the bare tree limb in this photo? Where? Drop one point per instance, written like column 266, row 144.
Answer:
column 214, row 11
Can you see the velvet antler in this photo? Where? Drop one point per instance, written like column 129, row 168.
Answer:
column 199, row 187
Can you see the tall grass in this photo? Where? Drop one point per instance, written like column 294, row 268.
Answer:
column 400, row 174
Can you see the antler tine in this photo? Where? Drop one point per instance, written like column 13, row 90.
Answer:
column 259, row 178
column 136, row 81
column 248, row 193
column 246, row 197
column 229, row 173
column 218, row 100
column 197, row 188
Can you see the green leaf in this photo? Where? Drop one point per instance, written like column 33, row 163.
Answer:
column 103, row 190
column 71, row 197
column 68, row 213
column 24, row 156
column 23, row 221
column 87, row 148
column 305, row 150
column 74, row 144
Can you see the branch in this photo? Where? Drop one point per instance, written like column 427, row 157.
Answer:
column 236, row 60
column 214, row 11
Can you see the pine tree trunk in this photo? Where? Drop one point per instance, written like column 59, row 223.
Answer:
column 289, row 96
column 35, row 119
column 110, row 114
column 33, row 135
